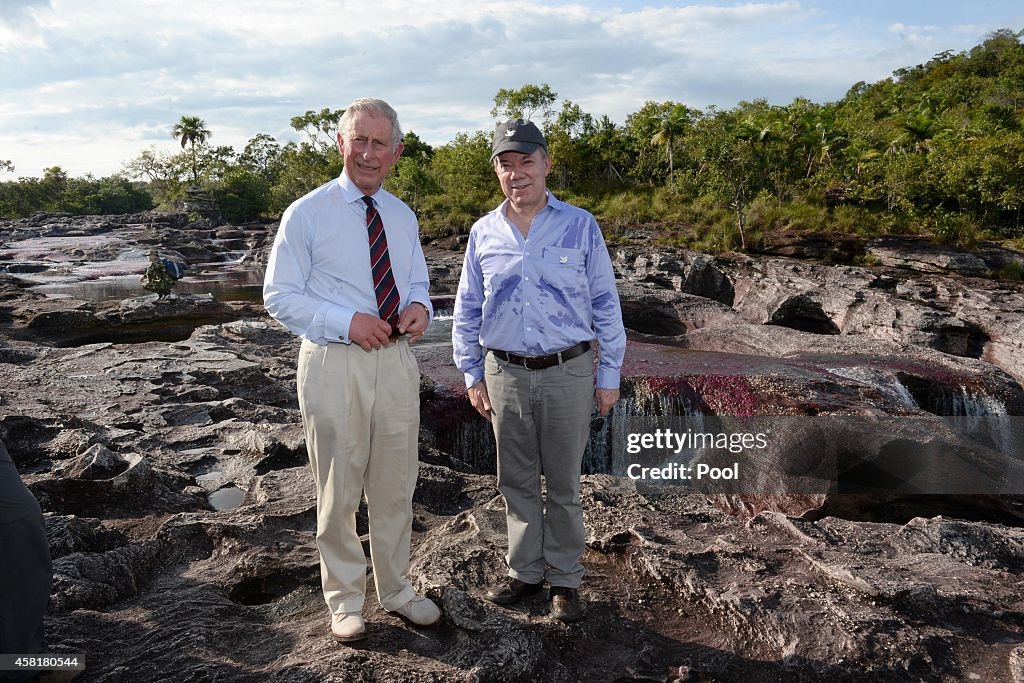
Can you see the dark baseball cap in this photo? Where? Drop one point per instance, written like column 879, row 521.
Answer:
column 517, row 135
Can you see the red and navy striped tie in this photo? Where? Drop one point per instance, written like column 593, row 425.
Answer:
column 380, row 263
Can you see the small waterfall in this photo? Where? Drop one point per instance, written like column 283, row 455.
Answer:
column 236, row 257
column 967, row 403
column 982, row 418
column 881, row 380
column 658, row 404
column 970, row 410
column 903, row 395
column 635, row 414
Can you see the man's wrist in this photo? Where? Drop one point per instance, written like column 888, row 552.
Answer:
column 423, row 306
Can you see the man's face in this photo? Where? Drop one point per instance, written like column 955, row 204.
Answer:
column 523, row 177
column 368, row 150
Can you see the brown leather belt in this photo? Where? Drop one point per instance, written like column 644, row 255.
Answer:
column 542, row 362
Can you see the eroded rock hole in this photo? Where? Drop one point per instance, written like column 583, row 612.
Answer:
column 968, row 341
column 803, row 314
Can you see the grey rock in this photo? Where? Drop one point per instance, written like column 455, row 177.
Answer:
column 69, row 534
column 926, row 257
column 122, row 442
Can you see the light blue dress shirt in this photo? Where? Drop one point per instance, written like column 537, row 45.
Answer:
column 318, row 275
column 537, row 295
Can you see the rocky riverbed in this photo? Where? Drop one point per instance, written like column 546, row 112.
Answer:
column 165, row 446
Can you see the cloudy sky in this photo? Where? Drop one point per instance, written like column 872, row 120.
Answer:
column 89, row 84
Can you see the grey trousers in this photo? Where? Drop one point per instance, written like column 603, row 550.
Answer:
column 541, row 424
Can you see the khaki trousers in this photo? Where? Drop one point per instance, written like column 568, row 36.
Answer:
column 361, row 416
column 541, row 421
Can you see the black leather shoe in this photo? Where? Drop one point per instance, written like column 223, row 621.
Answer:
column 565, row 604
column 510, row 591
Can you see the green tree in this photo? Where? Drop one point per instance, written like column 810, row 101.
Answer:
column 161, row 172
column 915, row 132
column 671, row 126
column 412, row 182
column 568, row 142
column 53, row 184
column 524, row 103
column 86, row 195
column 730, row 147
column 411, row 179
column 414, row 148
column 611, row 150
column 464, row 174
column 216, row 162
column 311, row 163
column 640, row 128
column 463, row 166
column 242, row 194
column 262, row 156
column 320, row 128
column 21, row 198
column 303, row 169
column 191, row 131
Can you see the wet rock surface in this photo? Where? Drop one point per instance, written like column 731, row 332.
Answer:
column 133, row 443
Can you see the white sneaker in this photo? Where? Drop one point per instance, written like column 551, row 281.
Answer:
column 419, row 611
column 347, row 626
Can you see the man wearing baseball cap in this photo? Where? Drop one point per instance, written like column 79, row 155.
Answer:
column 537, row 289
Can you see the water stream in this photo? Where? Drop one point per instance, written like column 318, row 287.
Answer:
column 224, row 282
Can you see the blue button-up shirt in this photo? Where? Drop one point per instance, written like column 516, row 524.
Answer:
column 318, row 275
column 540, row 294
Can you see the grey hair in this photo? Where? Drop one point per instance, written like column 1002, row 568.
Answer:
column 373, row 107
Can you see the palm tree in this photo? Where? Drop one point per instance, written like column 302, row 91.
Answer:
column 191, row 130
column 671, row 126
column 917, row 131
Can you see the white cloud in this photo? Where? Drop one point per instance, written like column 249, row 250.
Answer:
column 676, row 28
column 915, row 35
column 19, row 27
column 89, row 84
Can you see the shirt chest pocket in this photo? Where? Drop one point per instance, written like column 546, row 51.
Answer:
column 564, row 267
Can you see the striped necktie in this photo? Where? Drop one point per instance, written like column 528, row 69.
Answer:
column 380, row 264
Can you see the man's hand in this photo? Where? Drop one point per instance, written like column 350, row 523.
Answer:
column 478, row 397
column 606, row 398
column 369, row 331
column 414, row 321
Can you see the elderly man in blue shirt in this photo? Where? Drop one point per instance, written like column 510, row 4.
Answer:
column 537, row 289
column 347, row 274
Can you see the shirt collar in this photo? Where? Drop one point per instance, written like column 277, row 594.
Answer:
column 353, row 193
column 555, row 203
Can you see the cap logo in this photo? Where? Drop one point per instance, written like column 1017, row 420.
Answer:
column 510, row 132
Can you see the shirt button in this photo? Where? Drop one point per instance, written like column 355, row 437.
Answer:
column 527, row 279
column 527, row 303
column 529, row 329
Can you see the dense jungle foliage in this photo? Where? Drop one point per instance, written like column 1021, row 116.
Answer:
column 936, row 149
